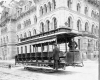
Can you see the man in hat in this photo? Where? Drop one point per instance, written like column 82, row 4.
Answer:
column 56, row 52
column 72, row 44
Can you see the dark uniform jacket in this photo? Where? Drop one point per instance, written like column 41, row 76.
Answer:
column 56, row 52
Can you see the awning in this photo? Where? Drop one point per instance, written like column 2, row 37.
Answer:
column 45, row 41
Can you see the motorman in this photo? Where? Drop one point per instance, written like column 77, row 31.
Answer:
column 56, row 52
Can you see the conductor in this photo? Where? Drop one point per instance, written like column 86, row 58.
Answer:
column 56, row 52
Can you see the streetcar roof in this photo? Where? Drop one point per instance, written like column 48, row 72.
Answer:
column 51, row 36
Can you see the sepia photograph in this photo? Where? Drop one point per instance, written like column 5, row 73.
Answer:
column 49, row 39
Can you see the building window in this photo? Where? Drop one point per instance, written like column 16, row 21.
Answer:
column 49, row 6
column 17, row 50
column 55, row 23
column 25, row 35
column 29, row 33
column 30, row 48
column 35, row 19
column 69, row 3
column 92, row 29
column 7, row 39
column 18, row 13
column 34, row 32
column 79, row 44
column 98, row 16
column 41, row 10
column 25, row 7
column 4, row 39
column 54, row 4
column 97, row 30
column 42, row 27
column 86, row 10
column 78, row 7
column 1, row 41
column 70, row 22
column 48, row 25
column 25, row 49
column 86, row 27
column 29, row 22
column 17, row 38
column 92, row 14
column 21, row 36
column 45, row 8
column 19, row 27
column 21, row 50
column 24, row 23
column 78, row 25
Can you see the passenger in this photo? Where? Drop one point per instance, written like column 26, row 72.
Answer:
column 72, row 44
column 56, row 52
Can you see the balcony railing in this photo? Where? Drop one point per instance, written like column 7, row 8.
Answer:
column 14, row 17
column 32, row 9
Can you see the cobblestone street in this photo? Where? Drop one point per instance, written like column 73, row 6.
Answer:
column 88, row 72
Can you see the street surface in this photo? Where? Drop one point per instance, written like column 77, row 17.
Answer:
column 90, row 71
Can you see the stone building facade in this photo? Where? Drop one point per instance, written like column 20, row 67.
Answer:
column 31, row 17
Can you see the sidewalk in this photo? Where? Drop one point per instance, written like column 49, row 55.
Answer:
column 6, row 63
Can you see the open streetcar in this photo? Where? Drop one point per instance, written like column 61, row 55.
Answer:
column 40, row 57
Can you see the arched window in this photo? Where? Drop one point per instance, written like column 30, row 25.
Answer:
column 98, row 16
column 42, row 27
column 21, row 50
column 45, row 8
column 35, row 19
column 92, row 13
column 86, row 10
column 70, row 22
column 69, row 3
column 25, row 35
column 4, row 39
column 21, row 36
column 25, row 7
column 19, row 27
column 7, row 39
column 92, row 29
column 30, row 48
column 29, row 33
column 49, row 6
column 17, row 50
column 97, row 30
column 41, row 10
column 54, row 4
column 17, row 38
column 86, row 27
column 29, row 22
column 48, row 25
column 55, row 23
column 25, row 49
column 34, row 32
column 78, row 7
column 1, row 41
column 78, row 25
column 24, row 23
